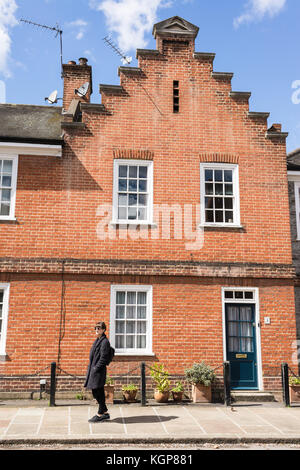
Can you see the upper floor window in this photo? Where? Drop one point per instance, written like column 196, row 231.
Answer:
column 133, row 191
column 297, row 207
column 219, row 194
column 8, row 183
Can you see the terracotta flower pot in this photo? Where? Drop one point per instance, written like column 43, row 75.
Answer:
column 201, row 393
column 161, row 397
column 177, row 396
column 129, row 395
column 109, row 393
column 295, row 393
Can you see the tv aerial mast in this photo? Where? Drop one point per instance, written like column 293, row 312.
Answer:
column 55, row 29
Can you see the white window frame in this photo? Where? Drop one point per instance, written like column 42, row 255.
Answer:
column 132, row 288
column 5, row 287
column 236, row 196
column 255, row 301
column 297, row 207
column 149, row 219
column 14, row 159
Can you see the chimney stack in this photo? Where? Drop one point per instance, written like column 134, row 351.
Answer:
column 75, row 75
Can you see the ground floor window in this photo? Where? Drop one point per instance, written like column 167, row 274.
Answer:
column 4, row 293
column 131, row 319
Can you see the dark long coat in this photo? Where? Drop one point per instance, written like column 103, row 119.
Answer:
column 99, row 356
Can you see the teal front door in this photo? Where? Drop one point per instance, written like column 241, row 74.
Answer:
column 241, row 345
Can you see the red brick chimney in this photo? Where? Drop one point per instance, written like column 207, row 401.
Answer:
column 76, row 75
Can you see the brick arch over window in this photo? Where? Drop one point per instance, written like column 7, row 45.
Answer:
column 219, row 158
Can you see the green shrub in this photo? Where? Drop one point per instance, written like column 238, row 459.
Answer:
column 200, row 373
column 295, row 381
column 179, row 388
column 109, row 380
column 129, row 387
column 160, row 377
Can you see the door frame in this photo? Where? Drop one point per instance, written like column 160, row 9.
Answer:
column 255, row 302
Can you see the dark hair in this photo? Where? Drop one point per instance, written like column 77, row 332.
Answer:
column 102, row 325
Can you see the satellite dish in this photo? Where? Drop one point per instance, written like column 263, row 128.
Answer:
column 52, row 97
column 82, row 91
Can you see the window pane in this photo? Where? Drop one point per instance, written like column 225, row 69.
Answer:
column 4, row 209
column 219, row 203
column 209, row 202
column 120, row 341
column 122, row 185
column 120, row 311
column 141, row 342
column 228, row 176
column 131, row 298
column 228, row 203
column 120, row 327
column 122, row 213
column 248, row 295
column 233, row 344
column 120, row 297
column 143, row 171
column 208, row 175
column 209, row 188
column 131, row 311
column 7, row 166
column 132, row 199
column 1, row 296
column 219, row 189
column 228, row 294
column 229, row 217
column 130, row 342
column 218, row 175
column 6, row 181
column 142, row 199
column 141, row 327
column 142, row 298
column 142, row 214
column 233, row 313
column 132, row 213
column 141, row 312
column 132, row 185
column 122, row 199
column 123, row 171
column 228, row 189
column 132, row 172
column 238, row 295
column 209, row 216
column 130, row 327
column 6, row 195
column 219, row 216
column 143, row 185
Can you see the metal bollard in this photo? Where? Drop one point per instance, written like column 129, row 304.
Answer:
column 285, row 384
column 226, row 376
column 143, row 384
column 52, row 384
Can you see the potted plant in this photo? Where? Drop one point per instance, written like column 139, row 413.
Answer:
column 201, row 377
column 129, row 392
column 109, row 390
column 162, row 383
column 177, row 392
column 294, row 383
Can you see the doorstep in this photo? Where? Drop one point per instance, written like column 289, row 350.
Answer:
column 252, row 396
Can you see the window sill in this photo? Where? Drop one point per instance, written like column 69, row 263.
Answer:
column 9, row 220
column 221, row 226
column 133, row 223
column 134, row 354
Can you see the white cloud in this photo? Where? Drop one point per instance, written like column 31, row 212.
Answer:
column 80, row 27
column 7, row 21
column 130, row 20
column 256, row 10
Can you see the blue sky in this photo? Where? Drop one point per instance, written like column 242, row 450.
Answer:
column 258, row 40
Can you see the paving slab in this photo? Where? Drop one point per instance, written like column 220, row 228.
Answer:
column 68, row 422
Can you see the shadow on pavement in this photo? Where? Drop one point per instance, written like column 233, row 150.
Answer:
column 142, row 419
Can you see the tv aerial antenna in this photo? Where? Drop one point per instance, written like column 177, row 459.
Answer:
column 55, row 29
column 125, row 59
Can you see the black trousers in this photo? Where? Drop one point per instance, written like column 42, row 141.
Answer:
column 99, row 395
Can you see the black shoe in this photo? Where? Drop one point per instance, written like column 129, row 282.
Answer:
column 97, row 419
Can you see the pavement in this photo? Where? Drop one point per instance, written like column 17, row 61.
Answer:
column 35, row 422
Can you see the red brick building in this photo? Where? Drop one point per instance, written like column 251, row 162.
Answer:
column 162, row 211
